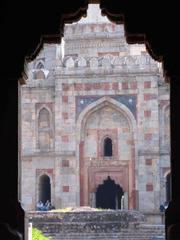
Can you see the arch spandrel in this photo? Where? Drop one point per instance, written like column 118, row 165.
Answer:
column 97, row 105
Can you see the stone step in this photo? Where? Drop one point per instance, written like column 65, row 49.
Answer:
column 105, row 237
column 105, row 225
column 148, row 233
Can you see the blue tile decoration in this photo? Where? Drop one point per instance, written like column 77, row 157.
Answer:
column 128, row 100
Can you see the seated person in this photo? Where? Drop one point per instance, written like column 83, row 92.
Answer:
column 40, row 206
column 48, row 205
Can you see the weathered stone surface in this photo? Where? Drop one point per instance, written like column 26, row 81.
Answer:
column 87, row 223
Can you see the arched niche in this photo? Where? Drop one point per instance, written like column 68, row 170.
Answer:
column 91, row 132
column 44, row 129
column 166, row 125
column 107, row 147
column 93, row 62
column 70, row 63
column 81, row 62
column 39, row 74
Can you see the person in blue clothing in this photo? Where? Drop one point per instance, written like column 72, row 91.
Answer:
column 162, row 208
column 40, row 206
column 48, row 205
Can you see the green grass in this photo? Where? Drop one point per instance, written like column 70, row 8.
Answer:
column 38, row 235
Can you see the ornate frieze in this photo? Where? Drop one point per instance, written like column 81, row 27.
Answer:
column 109, row 61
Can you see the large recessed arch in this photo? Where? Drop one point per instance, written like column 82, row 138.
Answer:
column 87, row 185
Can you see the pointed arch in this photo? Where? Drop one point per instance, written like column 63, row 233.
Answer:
column 39, row 65
column 39, row 70
column 109, row 194
column 102, row 102
column 128, row 171
column 44, row 118
column 107, row 147
column 81, row 62
column 166, row 121
column 44, row 129
column 44, row 188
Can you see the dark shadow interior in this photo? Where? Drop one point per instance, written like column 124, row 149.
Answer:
column 108, row 195
column 44, row 189
column 108, row 147
column 168, row 188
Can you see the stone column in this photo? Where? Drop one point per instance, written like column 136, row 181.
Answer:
column 172, row 218
column 57, row 139
column 81, row 159
column 12, row 214
column 93, row 199
column 125, row 201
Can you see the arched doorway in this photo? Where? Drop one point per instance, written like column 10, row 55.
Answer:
column 109, row 195
column 44, row 188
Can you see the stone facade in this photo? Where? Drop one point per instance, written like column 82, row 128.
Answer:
column 94, row 87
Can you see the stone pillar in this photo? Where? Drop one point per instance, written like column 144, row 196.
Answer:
column 12, row 214
column 172, row 215
column 134, row 204
column 125, row 201
column 93, row 199
column 30, row 231
column 81, row 156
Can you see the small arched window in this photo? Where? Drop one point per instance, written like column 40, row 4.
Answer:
column 40, row 66
column 108, row 147
column 39, row 72
column 44, row 118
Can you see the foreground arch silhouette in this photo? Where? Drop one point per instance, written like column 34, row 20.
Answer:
column 159, row 33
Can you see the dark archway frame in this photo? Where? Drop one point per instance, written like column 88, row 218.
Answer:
column 144, row 22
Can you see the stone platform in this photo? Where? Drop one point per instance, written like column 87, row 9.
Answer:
column 92, row 224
